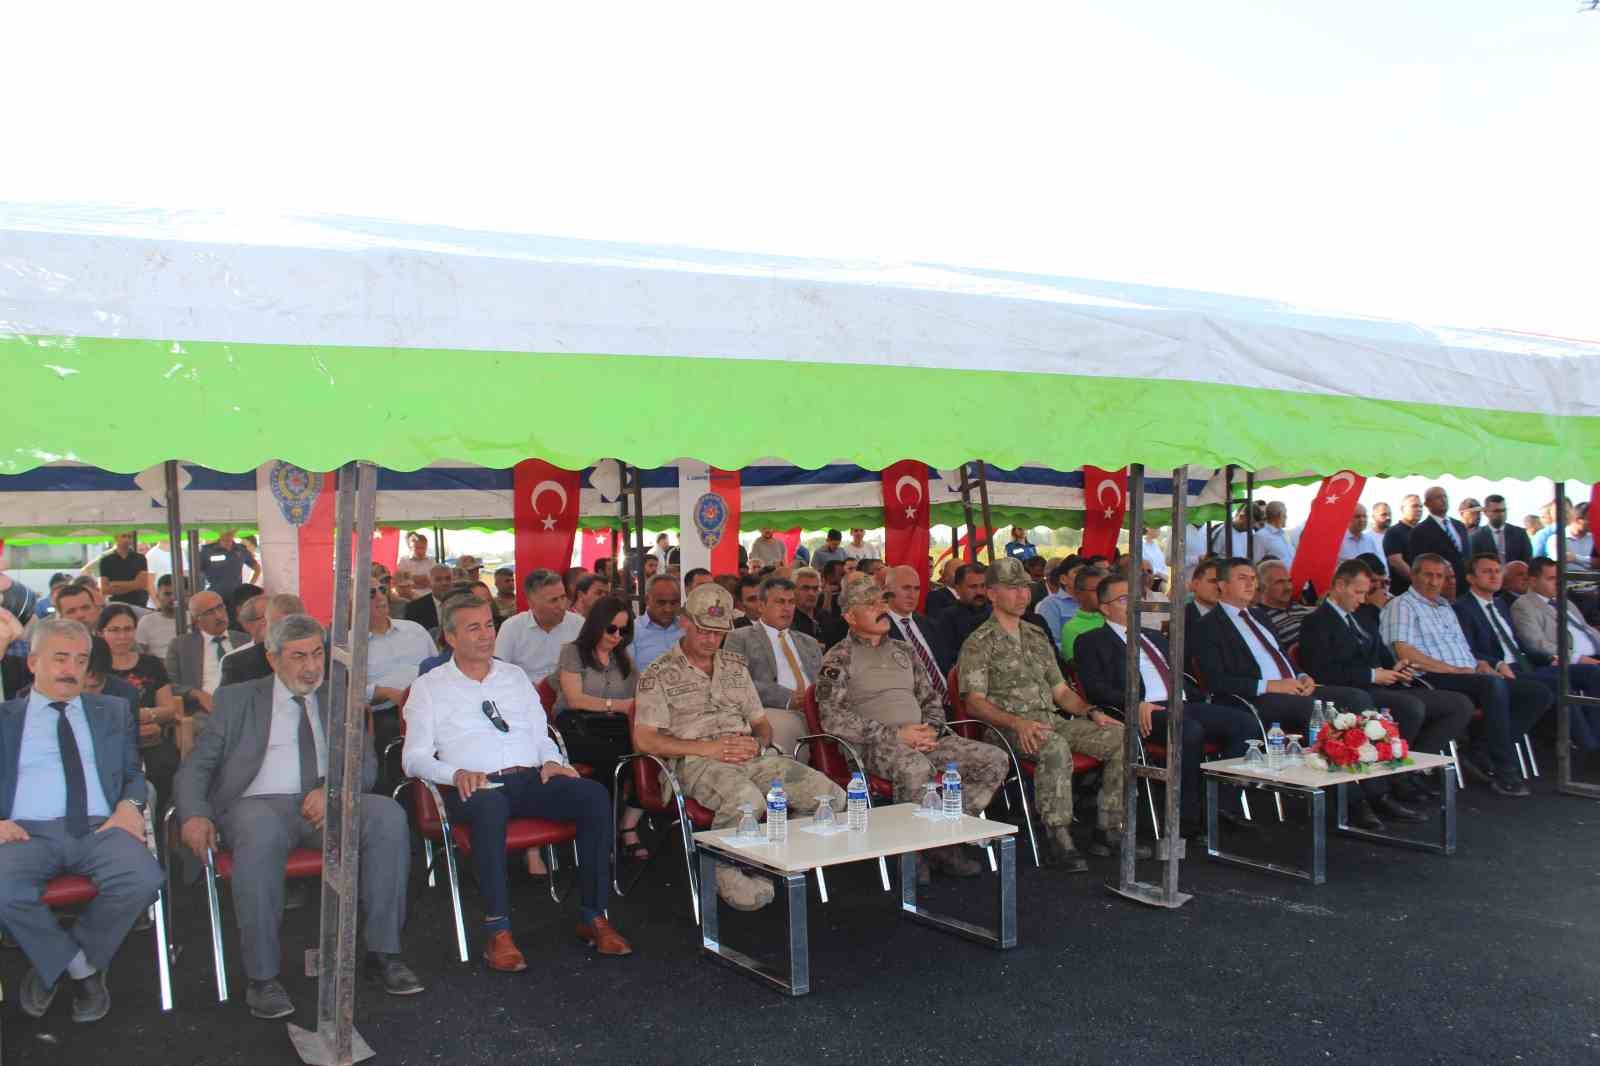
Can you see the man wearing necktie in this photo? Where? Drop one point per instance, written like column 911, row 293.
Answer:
column 782, row 662
column 1535, row 626
column 1439, row 534
column 877, row 695
column 925, row 636
column 71, row 802
column 258, row 771
column 194, row 660
column 1508, row 541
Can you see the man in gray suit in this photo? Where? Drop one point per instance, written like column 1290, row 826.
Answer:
column 258, row 769
column 782, row 662
column 71, row 802
column 194, row 660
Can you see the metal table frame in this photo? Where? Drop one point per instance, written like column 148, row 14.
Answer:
column 1318, row 850
column 792, row 887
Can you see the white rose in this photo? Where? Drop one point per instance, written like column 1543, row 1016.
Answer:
column 1374, row 730
column 1316, row 762
column 1397, row 748
column 1367, row 753
column 1345, row 720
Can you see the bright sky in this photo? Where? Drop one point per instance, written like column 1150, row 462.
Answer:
column 1425, row 160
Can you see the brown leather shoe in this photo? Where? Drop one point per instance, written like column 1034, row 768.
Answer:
column 603, row 937
column 501, row 953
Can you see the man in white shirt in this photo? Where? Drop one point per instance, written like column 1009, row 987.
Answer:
column 662, row 549
column 781, row 662
column 157, row 629
column 477, row 724
column 1580, row 541
column 1270, row 538
column 419, row 562
column 395, row 648
column 857, row 548
column 1358, row 540
column 533, row 639
column 1194, row 546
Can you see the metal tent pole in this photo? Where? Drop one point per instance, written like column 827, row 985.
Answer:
column 1171, row 844
column 1227, row 512
column 1250, row 515
column 180, row 591
column 966, row 508
column 1565, row 699
column 335, row 1041
column 639, row 546
column 983, row 503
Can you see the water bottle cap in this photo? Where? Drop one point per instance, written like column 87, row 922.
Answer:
column 1276, row 725
column 777, row 782
column 949, row 766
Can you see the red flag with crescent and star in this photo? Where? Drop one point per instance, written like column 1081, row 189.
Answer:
column 1105, row 501
column 596, row 546
column 905, row 519
column 1317, row 555
column 544, row 513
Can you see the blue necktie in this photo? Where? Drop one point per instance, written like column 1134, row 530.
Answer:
column 72, row 768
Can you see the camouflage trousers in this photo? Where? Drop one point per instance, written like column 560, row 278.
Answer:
column 723, row 786
column 1052, row 779
column 983, row 768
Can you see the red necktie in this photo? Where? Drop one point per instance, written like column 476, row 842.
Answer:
column 1156, row 660
column 1285, row 671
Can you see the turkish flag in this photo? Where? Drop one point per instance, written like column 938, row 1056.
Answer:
column 316, row 552
column 1105, row 502
column 791, row 541
column 905, row 519
column 725, row 553
column 1317, row 555
column 544, row 513
column 596, row 546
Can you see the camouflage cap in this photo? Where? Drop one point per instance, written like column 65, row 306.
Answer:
column 859, row 592
column 1007, row 571
column 710, row 607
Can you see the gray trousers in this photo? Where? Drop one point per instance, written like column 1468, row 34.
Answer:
column 121, row 867
column 260, row 831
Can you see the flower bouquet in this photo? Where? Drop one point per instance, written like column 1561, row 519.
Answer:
column 1357, row 742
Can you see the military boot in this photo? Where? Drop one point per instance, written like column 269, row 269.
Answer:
column 741, row 891
column 1062, row 853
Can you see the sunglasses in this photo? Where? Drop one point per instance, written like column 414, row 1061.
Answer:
column 492, row 712
column 619, row 631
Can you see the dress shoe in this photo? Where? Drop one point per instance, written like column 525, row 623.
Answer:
column 91, row 1000
column 398, row 980
column 1364, row 817
column 1393, row 809
column 951, row 862
column 35, row 996
column 501, row 953
column 1109, row 842
column 267, row 999
column 1062, row 854
column 601, row 935
column 1511, row 786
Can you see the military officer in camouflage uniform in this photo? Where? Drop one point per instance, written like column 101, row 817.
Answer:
column 875, row 694
column 1010, row 679
column 698, row 709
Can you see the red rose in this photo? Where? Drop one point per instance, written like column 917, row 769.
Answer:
column 1392, row 729
column 1382, row 747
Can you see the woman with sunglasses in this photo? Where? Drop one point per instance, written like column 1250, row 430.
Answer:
column 594, row 700
column 157, row 707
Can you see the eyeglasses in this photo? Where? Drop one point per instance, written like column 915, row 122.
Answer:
column 491, row 712
column 1117, row 599
column 619, row 631
column 218, row 609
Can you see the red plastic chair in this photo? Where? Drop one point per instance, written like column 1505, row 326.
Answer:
column 649, row 775
column 547, row 696
column 302, row 863
column 829, row 755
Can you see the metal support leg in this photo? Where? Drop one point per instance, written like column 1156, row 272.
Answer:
column 1522, row 764
column 798, row 980
column 215, row 908
column 1316, row 873
column 987, row 850
column 1447, row 814
column 822, row 885
column 1027, row 820
column 427, row 860
column 1003, row 936
column 1455, row 763
column 1533, row 764
column 1319, row 836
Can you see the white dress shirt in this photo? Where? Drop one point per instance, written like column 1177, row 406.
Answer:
column 778, row 638
column 41, row 780
column 1508, row 654
column 446, row 729
column 1351, row 546
column 211, row 663
column 394, row 655
column 1270, row 540
column 522, row 641
column 1263, row 657
column 865, row 550
column 280, row 769
column 1155, row 689
column 419, row 569
column 1194, row 545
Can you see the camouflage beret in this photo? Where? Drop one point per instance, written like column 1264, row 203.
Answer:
column 710, row 607
column 1007, row 571
column 859, row 592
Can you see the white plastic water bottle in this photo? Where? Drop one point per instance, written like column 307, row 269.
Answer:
column 952, row 791
column 856, row 803
column 777, row 813
column 1319, row 722
column 1275, row 745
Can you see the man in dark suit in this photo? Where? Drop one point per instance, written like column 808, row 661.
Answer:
column 72, row 801
column 1507, row 542
column 1102, row 661
column 927, row 637
column 1238, row 656
column 259, row 770
column 424, row 610
column 971, row 608
column 250, row 663
column 1338, row 647
column 1439, row 534
column 194, row 660
column 942, row 596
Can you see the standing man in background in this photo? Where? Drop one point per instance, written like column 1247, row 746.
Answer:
column 124, row 573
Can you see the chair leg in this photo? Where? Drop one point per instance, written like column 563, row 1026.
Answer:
column 1522, row 763
column 1027, row 820
column 1277, row 798
column 455, row 896
column 1150, row 799
column 822, row 885
column 1244, row 805
column 988, row 849
column 427, row 859
column 1455, row 763
column 1533, row 764
column 215, row 908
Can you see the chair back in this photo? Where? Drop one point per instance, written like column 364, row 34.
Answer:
column 547, row 695
column 826, row 758
column 425, row 813
column 647, row 791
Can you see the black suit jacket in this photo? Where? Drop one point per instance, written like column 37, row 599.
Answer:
column 1427, row 538
column 934, row 634
column 1518, row 547
column 960, row 621
column 940, row 600
column 1481, row 637
column 1102, row 662
column 1332, row 654
column 1226, row 665
column 424, row 612
column 246, row 664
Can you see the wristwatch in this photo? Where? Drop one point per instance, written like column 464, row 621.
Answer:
column 139, row 804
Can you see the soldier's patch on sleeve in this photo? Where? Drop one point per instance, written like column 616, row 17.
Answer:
column 648, row 682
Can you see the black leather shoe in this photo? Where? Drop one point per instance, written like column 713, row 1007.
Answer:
column 267, row 999
column 35, row 996
column 1364, row 817
column 1237, row 822
column 91, row 1000
column 1474, row 771
column 1512, row 786
column 398, row 980
column 1390, row 807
